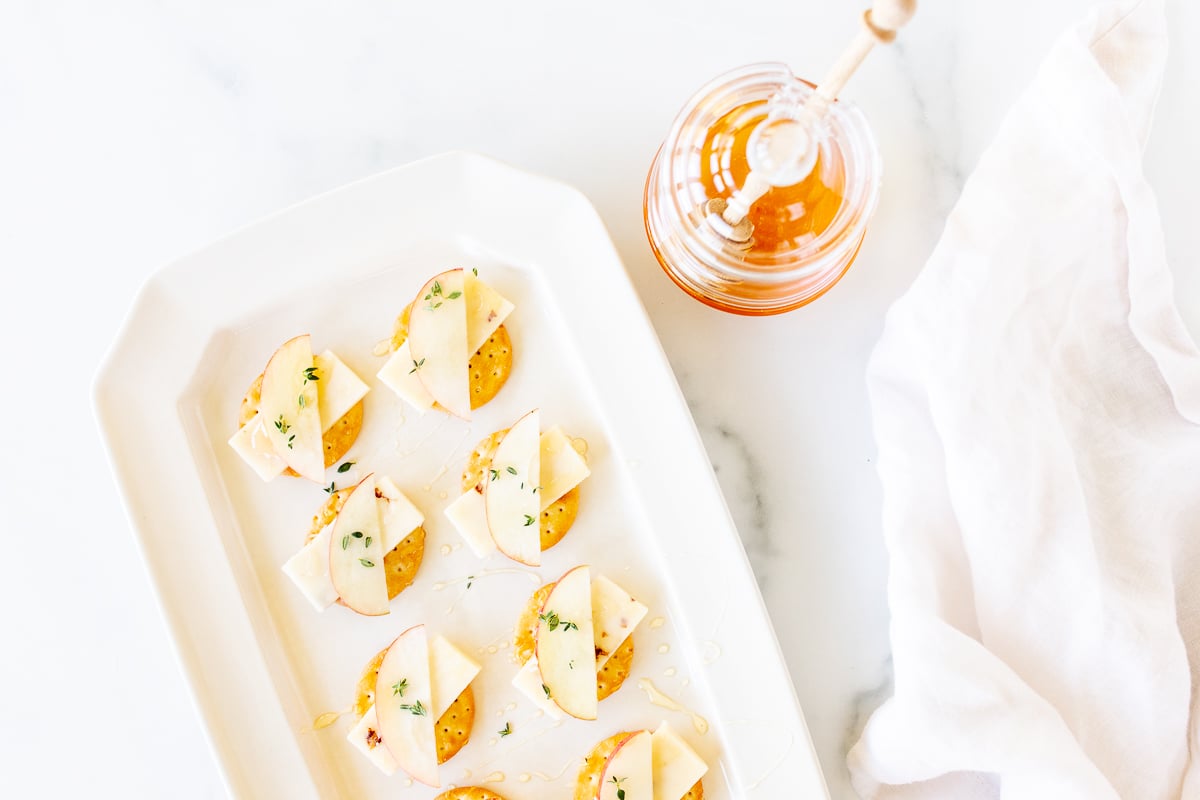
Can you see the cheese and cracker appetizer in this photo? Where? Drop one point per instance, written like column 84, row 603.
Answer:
column 415, row 706
column 469, row 793
column 520, row 492
column 301, row 414
column 364, row 548
column 575, row 643
column 449, row 347
column 640, row 765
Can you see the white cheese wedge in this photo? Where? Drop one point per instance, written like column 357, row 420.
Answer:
column 528, row 682
column 397, row 514
column 437, row 339
column 451, row 671
column 486, row 311
column 356, row 552
column 614, row 616
column 309, row 570
column 254, row 446
column 469, row 517
column 512, row 504
column 288, row 405
column 338, row 388
column 628, row 773
column 677, row 767
column 562, row 468
column 399, row 374
column 403, row 702
column 566, row 644
column 365, row 736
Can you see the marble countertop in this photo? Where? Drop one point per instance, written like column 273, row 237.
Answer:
column 137, row 132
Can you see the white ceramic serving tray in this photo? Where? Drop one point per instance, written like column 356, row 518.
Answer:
column 262, row 664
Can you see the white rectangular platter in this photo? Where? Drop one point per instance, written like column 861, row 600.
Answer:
column 264, row 665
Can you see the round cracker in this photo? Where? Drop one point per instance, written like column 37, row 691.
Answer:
column 469, row 793
column 488, row 369
column 400, row 564
column 558, row 517
column 610, row 677
column 337, row 440
column 587, row 785
column 452, row 730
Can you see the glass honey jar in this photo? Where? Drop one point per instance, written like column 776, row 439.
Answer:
column 804, row 235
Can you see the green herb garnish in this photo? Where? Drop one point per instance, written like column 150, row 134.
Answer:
column 505, row 731
column 416, row 709
column 416, row 366
column 528, row 520
column 366, row 562
column 511, row 470
column 345, row 467
column 331, row 488
column 399, row 686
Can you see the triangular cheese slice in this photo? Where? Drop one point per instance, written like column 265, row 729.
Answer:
column 486, row 311
column 614, row 616
column 451, row 671
column 677, row 767
column 338, row 388
column 562, row 468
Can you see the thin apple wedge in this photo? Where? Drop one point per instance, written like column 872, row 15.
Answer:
column 566, row 652
column 437, row 339
column 404, row 705
column 288, row 407
column 356, row 552
column 628, row 773
column 510, row 493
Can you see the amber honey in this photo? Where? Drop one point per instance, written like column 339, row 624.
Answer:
column 805, row 236
column 786, row 217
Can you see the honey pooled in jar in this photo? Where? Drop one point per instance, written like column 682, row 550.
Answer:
column 786, row 217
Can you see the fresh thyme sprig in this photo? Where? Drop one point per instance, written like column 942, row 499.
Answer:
column 553, row 622
column 399, row 686
column 417, row 709
column 505, row 731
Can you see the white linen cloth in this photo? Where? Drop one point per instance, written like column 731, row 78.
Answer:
column 1037, row 405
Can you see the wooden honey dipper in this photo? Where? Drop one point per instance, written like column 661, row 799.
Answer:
column 783, row 148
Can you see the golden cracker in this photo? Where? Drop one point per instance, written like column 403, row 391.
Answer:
column 587, row 785
column 452, row 730
column 609, row 678
column 558, row 517
column 400, row 564
column 488, row 368
column 337, row 440
column 469, row 793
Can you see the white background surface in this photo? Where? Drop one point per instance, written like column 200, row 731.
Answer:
column 135, row 134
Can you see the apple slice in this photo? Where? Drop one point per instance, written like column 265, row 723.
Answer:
column 288, row 408
column 404, row 702
column 510, row 493
column 486, row 311
column 614, row 616
column 628, row 773
column 677, row 767
column 565, row 645
column 356, row 552
column 437, row 340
